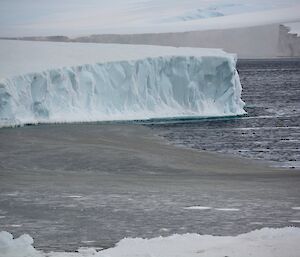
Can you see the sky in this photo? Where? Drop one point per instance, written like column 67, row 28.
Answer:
column 53, row 17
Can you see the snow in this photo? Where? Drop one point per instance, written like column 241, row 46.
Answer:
column 21, row 57
column 285, row 15
column 77, row 17
column 294, row 27
column 267, row 242
column 19, row 247
column 74, row 82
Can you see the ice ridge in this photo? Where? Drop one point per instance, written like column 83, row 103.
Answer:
column 154, row 87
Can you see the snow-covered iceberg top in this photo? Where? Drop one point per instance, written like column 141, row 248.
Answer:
column 266, row 242
column 21, row 57
column 42, row 82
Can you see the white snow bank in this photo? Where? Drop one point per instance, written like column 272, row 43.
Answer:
column 121, row 82
column 266, row 242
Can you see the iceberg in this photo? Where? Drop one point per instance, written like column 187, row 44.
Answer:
column 49, row 83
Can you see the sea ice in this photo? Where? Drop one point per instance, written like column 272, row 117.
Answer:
column 267, row 242
column 19, row 247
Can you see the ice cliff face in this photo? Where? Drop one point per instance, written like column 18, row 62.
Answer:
column 155, row 87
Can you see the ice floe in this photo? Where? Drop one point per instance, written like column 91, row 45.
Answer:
column 267, row 242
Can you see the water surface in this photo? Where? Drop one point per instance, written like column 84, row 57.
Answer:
column 271, row 129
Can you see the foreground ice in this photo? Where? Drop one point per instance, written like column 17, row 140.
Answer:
column 266, row 242
column 51, row 82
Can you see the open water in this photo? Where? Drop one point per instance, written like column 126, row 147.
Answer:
column 271, row 129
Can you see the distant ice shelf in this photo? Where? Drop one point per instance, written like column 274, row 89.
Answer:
column 89, row 17
column 68, row 82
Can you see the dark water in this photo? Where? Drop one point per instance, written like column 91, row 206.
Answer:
column 91, row 185
column 271, row 128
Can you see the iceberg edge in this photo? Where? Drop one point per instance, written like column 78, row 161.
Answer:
column 153, row 87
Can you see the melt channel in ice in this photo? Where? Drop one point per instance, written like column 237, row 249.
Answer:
column 44, row 82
